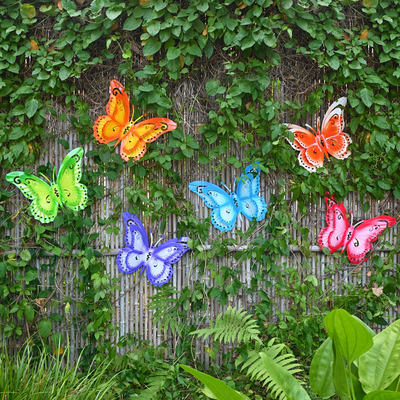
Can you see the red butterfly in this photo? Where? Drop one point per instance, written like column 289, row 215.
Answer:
column 357, row 238
column 331, row 140
column 116, row 125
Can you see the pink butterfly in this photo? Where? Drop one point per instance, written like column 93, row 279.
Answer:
column 357, row 238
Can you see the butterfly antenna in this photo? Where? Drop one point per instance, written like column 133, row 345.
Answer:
column 151, row 238
column 159, row 240
column 226, row 187
column 47, row 179
column 54, row 174
column 318, row 123
column 310, row 127
column 351, row 220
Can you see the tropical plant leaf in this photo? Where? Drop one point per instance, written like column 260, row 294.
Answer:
column 218, row 388
column 351, row 337
column 382, row 395
column 380, row 365
column 321, row 379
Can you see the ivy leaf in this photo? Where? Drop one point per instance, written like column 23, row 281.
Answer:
column 29, row 313
column 31, row 107
column 131, row 23
column 366, row 96
column 113, row 13
column 173, row 53
column 64, row 73
column 286, row 4
column 213, row 87
column 152, row 46
column 45, row 328
column 153, row 28
column 25, row 255
column 28, row 11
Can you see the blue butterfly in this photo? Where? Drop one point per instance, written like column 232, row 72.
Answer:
column 138, row 253
column 226, row 206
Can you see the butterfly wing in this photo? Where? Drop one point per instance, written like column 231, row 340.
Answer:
column 224, row 211
column 44, row 205
column 364, row 235
column 310, row 155
column 132, row 257
column 251, row 204
column 333, row 236
column 158, row 267
column 134, row 144
column 73, row 193
column 336, row 141
column 111, row 126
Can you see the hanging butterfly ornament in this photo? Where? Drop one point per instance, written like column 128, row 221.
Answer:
column 356, row 238
column 227, row 206
column 46, row 197
column 330, row 140
column 116, row 125
column 139, row 254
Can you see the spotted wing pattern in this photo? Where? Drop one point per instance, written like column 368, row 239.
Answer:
column 224, row 211
column 44, row 205
column 251, row 204
column 73, row 193
column 364, row 235
column 157, row 261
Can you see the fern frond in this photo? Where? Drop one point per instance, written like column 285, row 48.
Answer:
column 234, row 324
column 156, row 383
column 275, row 370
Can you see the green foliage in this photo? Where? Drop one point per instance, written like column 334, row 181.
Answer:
column 218, row 388
column 355, row 360
column 39, row 375
column 274, row 368
column 234, row 325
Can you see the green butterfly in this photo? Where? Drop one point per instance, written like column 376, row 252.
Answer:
column 66, row 190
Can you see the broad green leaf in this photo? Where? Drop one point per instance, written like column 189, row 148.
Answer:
column 286, row 4
column 370, row 3
column 382, row 395
column 28, row 11
column 152, row 46
column 131, row 23
column 351, row 337
column 218, row 388
column 341, row 378
column 173, row 53
column 64, row 73
column 380, row 365
column 113, row 13
column 213, row 87
column 366, row 96
column 45, row 328
column 289, row 385
column 31, row 107
column 25, row 255
column 321, row 379
column 29, row 313
column 153, row 27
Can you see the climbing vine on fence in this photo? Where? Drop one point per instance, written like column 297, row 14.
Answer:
column 257, row 64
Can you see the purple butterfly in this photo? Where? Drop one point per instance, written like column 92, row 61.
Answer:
column 155, row 259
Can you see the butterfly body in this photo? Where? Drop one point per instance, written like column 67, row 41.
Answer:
column 226, row 206
column 116, row 125
column 46, row 197
column 330, row 140
column 356, row 239
column 156, row 260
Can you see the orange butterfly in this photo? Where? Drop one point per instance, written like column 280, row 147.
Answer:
column 330, row 140
column 117, row 125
